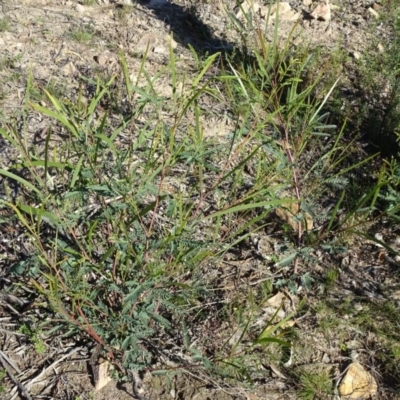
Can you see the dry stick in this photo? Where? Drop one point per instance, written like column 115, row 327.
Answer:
column 11, row 333
column 137, row 385
column 51, row 366
column 11, row 362
column 44, row 372
column 232, row 156
column 91, row 332
column 286, row 148
column 297, row 190
column 21, row 388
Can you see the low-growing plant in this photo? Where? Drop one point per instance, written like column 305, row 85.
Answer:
column 89, row 3
column 122, row 13
column 34, row 337
column 126, row 205
column 116, row 249
column 275, row 90
column 3, row 374
column 82, row 35
column 9, row 62
column 315, row 385
column 4, row 25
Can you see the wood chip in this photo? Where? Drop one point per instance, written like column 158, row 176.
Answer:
column 289, row 214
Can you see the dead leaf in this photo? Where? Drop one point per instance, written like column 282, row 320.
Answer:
column 276, row 301
column 322, row 11
column 376, row 6
column 277, row 371
column 100, row 374
column 358, row 383
column 288, row 215
column 264, row 246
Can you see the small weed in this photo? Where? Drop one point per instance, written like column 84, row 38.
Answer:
column 121, row 13
column 327, row 318
column 9, row 62
column 35, row 91
column 82, row 35
column 125, row 215
column 3, row 374
column 40, row 21
column 15, row 76
column 330, row 277
column 34, row 337
column 4, row 25
column 315, row 386
column 57, row 89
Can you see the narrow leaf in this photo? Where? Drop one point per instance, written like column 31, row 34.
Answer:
column 22, row 181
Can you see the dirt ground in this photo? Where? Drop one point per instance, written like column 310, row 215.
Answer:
column 53, row 42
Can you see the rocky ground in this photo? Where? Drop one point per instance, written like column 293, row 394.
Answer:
column 53, row 43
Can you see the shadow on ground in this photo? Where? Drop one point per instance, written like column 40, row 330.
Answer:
column 187, row 28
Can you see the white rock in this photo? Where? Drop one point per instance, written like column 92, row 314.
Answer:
column 283, row 9
column 104, row 58
column 80, row 8
column 326, row 359
column 148, row 41
column 69, row 69
column 101, row 59
column 160, row 49
column 378, row 236
column 101, row 375
column 246, row 6
column 357, row 383
column 280, row 7
column 373, row 12
column 322, row 11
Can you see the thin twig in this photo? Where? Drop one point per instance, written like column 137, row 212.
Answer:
column 51, row 366
column 11, row 362
column 137, row 385
column 11, row 332
column 21, row 388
